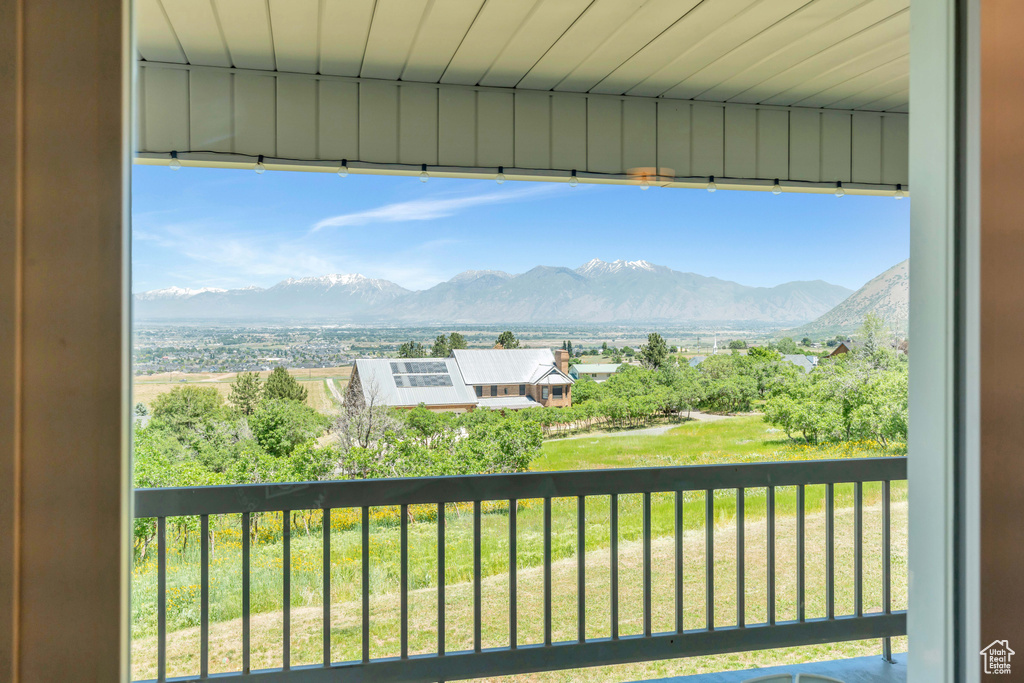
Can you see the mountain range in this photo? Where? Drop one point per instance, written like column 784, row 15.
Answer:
column 596, row 292
column 887, row 296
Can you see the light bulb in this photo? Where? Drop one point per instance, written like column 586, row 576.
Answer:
column 776, row 188
column 711, row 184
column 573, row 180
column 424, row 176
column 259, row 167
column 500, row 178
column 899, row 194
column 175, row 164
column 645, row 184
column 840, row 192
column 343, row 169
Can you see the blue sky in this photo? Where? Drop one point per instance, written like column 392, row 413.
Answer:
column 200, row 227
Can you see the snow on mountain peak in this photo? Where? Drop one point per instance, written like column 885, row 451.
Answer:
column 329, row 280
column 598, row 267
column 178, row 292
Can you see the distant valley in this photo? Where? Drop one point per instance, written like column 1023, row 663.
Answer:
column 596, row 292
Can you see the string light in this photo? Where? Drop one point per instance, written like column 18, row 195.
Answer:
column 711, row 184
column 259, row 167
column 776, row 188
column 645, row 184
column 424, row 176
column 840, row 192
column 500, row 178
column 899, row 193
column 175, row 164
column 343, row 169
column 573, row 180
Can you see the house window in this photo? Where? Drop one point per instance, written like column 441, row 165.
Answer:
column 522, row 390
column 558, row 392
column 479, row 392
column 494, row 390
column 544, row 393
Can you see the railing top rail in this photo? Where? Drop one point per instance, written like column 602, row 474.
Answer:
column 175, row 502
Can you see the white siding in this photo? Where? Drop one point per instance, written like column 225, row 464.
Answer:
column 300, row 120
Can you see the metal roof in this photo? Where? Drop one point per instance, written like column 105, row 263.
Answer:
column 506, row 366
column 596, row 368
column 800, row 360
column 507, row 403
column 842, row 54
column 405, row 386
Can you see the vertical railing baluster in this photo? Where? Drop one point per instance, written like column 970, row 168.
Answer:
column 440, row 579
column 581, row 569
column 366, row 582
column 404, row 590
column 477, row 581
column 770, row 559
column 327, row 585
column 679, row 561
column 513, row 587
column 547, row 571
column 830, row 551
column 709, row 556
column 161, row 598
column 204, row 596
column 286, row 612
column 246, row 527
column 647, row 563
column 614, row 564
column 801, row 613
column 741, row 605
column 858, row 548
column 886, row 566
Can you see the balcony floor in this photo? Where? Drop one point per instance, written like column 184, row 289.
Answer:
column 857, row 670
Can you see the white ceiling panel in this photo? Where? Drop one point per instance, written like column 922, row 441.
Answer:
column 445, row 24
column 344, row 27
column 394, row 28
column 296, row 30
column 809, row 53
column 157, row 40
column 542, row 28
column 198, row 29
column 246, row 27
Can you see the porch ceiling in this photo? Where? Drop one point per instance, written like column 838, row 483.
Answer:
column 839, row 54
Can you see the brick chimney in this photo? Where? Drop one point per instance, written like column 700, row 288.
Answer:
column 562, row 360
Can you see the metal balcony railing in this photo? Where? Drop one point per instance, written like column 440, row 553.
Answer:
column 546, row 655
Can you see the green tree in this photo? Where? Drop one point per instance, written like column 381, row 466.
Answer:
column 874, row 333
column 141, row 410
column 457, row 341
column 568, row 346
column 604, row 347
column 280, row 425
column 806, row 341
column 627, row 351
column 246, row 392
column 281, row 385
column 787, row 346
column 507, row 340
column 411, row 349
column 440, row 348
column 737, row 344
column 654, row 353
column 186, row 411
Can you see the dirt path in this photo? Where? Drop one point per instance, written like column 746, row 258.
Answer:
column 334, row 391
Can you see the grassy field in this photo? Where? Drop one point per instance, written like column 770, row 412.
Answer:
column 147, row 388
column 741, row 439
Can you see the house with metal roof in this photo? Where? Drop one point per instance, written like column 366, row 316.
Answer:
column 498, row 379
column 408, row 382
column 806, row 363
column 516, row 378
column 599, row 372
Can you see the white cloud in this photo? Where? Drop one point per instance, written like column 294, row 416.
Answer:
column 425, row 209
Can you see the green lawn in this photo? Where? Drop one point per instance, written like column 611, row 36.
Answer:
column 740, row 439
